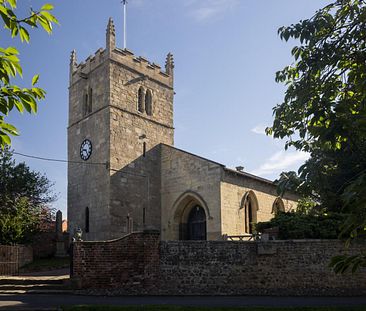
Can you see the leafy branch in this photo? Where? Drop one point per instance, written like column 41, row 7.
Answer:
column 23, row 99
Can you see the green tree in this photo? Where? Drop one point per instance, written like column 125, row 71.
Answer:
column 324, row 108
column 13, row 96
column 19, row 224
column 24, row 196
column 18, row 180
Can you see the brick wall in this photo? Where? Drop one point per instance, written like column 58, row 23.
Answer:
column 141, row 263
column 131, row 262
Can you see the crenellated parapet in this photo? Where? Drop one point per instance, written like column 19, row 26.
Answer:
column 122, row 57
column 82, row 70
column 139, row 64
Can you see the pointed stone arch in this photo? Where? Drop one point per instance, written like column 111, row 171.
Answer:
column 90, row 102
column 141, row 100
column 249, row 204
column 85, row 106
column 278, row 206
column 184, row 208
column 148, row 102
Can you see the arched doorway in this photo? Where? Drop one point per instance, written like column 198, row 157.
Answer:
column 189, row 218
column 196, row 224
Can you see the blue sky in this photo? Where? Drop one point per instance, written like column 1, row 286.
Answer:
column 226, row 54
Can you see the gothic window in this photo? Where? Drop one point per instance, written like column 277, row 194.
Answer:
column 278, row 206
column 129, row 223
column 144, row 149
column 85, row 104
column 87, row 220
column 140, row 100
column 90, row 104
column 250, row 205
column 148, row 103
column 249, row 218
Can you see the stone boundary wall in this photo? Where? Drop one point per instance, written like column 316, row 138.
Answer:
column 294, row 267
column 142, row 264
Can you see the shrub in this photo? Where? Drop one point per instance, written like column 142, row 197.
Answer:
column 294, row 225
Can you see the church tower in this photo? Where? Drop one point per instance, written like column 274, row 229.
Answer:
column 120, row 111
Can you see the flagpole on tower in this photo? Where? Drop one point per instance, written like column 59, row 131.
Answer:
column 124, row 23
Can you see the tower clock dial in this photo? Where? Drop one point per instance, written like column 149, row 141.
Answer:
column 86, row 149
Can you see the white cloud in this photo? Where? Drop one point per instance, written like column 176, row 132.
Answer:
column 259, row 129
column 281, row 161
column 203, row 10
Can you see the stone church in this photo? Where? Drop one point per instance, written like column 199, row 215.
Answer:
column 124, row 173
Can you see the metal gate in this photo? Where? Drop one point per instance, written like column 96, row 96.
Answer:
column 9, row 260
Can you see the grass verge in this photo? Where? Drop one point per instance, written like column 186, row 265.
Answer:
column 181, row 308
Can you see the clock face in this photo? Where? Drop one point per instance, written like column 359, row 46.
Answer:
column 86, row 149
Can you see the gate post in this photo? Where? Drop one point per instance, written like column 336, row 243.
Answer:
column 71, row 254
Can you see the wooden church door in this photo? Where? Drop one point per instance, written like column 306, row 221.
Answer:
column 196, row 225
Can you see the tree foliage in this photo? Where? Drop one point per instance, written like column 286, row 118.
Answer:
column 24, row 195
column 13, row 96
column 324, row 108
column 18, row 180
column 300, row 225
column 18, row 225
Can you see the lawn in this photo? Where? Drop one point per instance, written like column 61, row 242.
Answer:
column 177, row 308
column 45, row 264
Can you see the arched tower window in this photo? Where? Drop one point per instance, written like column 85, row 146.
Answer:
column 140, row 100
column 250, row 205
column 278, row 206
column 85, row 104
column 90, row 105
column 144, row 149
column 129, row 223
column 148, row 103
column 87, row 220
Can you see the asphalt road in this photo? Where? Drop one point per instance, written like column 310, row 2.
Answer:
column 51, row 302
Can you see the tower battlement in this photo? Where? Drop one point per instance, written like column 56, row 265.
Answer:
column 123, row 57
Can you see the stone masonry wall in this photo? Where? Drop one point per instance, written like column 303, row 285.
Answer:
column 256, row 268
column 88, row 184
column 234, row 186
column 140, row 264
column 135, row 176
column 183, row 174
